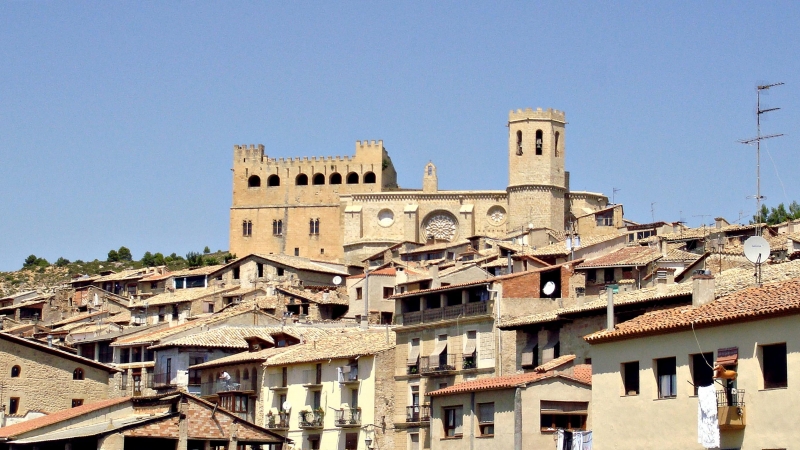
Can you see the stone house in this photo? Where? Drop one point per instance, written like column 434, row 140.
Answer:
column 632, row 264
column 649, row 367
column 45, row 379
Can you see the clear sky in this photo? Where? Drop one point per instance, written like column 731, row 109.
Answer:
column 118, row 119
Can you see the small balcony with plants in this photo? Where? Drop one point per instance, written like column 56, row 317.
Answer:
column 312, row 419
column 348, row 417
column 279, row 421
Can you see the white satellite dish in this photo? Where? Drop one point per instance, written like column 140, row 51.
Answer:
column 549, row 288
column 756, row 249
column 286, row 406
column 337, row 280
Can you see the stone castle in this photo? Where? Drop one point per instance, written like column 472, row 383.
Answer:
column 347, row 208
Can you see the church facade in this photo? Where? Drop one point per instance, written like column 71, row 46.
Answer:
column 347, row 208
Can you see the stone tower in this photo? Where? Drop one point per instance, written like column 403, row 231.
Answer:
column 430, row 183
column 537, row 182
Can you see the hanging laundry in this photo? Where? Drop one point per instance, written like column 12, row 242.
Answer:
column 586, row 437
column 707, row 421
column 577, row 440
column 560, row 440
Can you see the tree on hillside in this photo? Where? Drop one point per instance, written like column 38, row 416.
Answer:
column 148, row 260
column 158, row 259
column 61, row 262
column 124, row 254
column 113, row 256
column 194, row 259
column 34, row 261
column 206, row 250
column 779, row 214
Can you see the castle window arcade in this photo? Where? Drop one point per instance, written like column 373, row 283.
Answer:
column 273, row 181
column 254, row 181
column 369, row 178
column 313, row 225
column 352, row 178
column 247, row 228
column 336, row 178
column 318, row 179
column 301, row 180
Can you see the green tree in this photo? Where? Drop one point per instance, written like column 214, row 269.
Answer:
column 764, row 215
column 30, row 261
column 124, row 254
column 777, row 215
column 228, row 257
column 34, row 261
column 194, row 259
column 148, row 260
column 210, row 261
column 113, row 256
column 158, row 259
column 206, row 250
column 61, row 262
column 794, row 210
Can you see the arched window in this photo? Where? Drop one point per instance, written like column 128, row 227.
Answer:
column 352, row 178
column 301, row 180
column 369, row 178
column 15, row 371
column 247, row 228
column 273, row 181
column 318, row 179
column 430, row 170
column 519, row 142
column 253, row 376
column 238, row 376
column 557, row 136
column 313, row 226
column 254, row 181
column 336, row 178
column 539, row 142
column 245, row 375
column 77, row 374
column 277, row 227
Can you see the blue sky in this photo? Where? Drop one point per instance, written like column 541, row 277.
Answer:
column 117, row 119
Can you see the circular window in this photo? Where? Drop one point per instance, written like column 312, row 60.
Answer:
column 441, row 226
column 496, row 215
column 385, row 218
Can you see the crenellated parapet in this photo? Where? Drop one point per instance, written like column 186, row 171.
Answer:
column 538, row 114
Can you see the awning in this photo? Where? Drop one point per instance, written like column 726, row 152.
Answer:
column 440, row 347
column 529, row 353
column 413, row 356
column 469, row 349
column 728, row 356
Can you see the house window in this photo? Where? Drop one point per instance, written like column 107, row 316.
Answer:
column 15, row 371
column 77, row 402
column 77, row 374
column 296, row 251
column 247, row 228
column 313, row 226
column 539, row 142
column 666, row 377
column 608, row 275
column 702, row 373
column 451, row 420
column 388, row 292
column 773, row 365
column 630, row 378
column 277, row 227
column 486, row 418
column 313, row 442
column 235, row 273
column 569, row 416
column 13, row 405
column 279, row 271
column 470, row 349
column 260, row 270
column 359, row 294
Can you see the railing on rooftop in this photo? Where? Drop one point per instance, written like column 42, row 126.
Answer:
column 418, row 413
column 215, row 387
column 445, row 313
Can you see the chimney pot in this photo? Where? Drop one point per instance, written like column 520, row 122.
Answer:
column 702, row 289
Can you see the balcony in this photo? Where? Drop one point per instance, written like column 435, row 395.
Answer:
column 730, row 410
column 348, row 375
column 446, row 313
column 278, row 421
column 412, row 370
column 215, row 387
column 442, row 363
column 348, row 417
column 418, row 413
column 162, row 380
column 311, row 419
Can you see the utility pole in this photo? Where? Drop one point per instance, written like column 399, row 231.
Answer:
column 757, row 141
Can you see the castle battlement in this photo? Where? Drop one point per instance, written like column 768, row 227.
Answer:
column 538, row 114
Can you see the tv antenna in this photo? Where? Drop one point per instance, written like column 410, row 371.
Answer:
column 614, row 195
column 653, row 211
column 757, row 141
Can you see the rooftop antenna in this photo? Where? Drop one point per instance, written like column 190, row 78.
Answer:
column 614, row 195
column 757, row 141
column 653, row 211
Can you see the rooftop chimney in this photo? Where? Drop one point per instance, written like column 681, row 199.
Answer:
column 702, row 289
column 433, row 271
column 610, row 309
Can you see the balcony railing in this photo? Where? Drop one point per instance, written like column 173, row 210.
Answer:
column 731, row 412
column 311, row 419
column 278, row 421
column 162, row 379
column 418, row 413
column 413, row 370
column 214, row 387
column 446, row 363
column 348, row 417
column 446, row 313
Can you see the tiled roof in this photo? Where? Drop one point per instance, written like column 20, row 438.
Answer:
column 512, row 381
column 306, row 264
column 386, row 271
column 205, row 270
column 626, row 256
column 234, row 337
column 676, row 255
column 552, row 364
column 78, row 318
column 560, row 248
column 243, row 357
column 23, row 304
column 726, row 283
column 337, row 346
column 182, row 295
column 332, row 297
column 42, row 347
column 60, row 416
column 582, row 373
column 128, row 274
column 435, row 247
column 753, row 303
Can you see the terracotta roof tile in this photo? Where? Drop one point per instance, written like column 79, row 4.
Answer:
column 677, row 255
column 50, row 419
column 387, row 271
column 337, row 346
column 582, row 373
column 627, row 256
column 243, row 357
column 560, row 248
column 552, row 364
column 753, row 303
column 512, row 381
column 182, row 295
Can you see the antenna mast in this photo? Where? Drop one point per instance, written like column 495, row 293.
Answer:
column 614, row 195
column 758, row 140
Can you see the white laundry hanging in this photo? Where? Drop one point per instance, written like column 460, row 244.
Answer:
column 707, row 420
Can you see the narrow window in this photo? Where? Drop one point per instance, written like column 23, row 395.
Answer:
column 236, row 273
column 369, row 178
column 296, row 251
column 556, row 149
column 277, row 227
column 352, row 178
column 260, row 270
column 359, row 294
column 273, row 181
column 15, row 371
column 254, row 181
column 244, row 228
column 77, row 402
column 77, row 374
column 486, row 418
column 249, row 228
column 13, row 405
column 313, row 226
column 666, row 377
column 519, row 143
column 336, row 178
column 301, row 180
column 539, row 142
column 630, row 378
column 451, row 420
column 702, row 374
column 430, row 170
column 388, row 292
column 773, row 365
column 318, row 179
